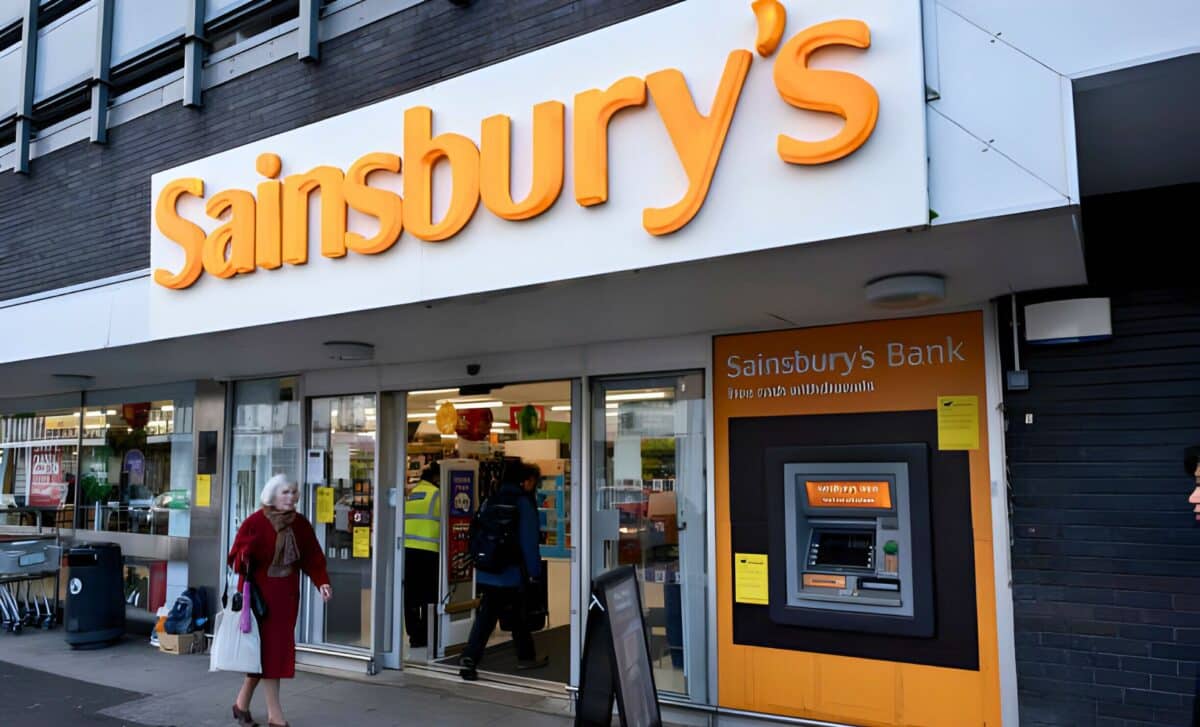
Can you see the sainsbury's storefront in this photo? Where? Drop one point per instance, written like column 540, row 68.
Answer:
column 718, row 285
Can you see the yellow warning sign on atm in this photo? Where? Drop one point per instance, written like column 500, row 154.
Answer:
column 750, row 576
column 958, row 422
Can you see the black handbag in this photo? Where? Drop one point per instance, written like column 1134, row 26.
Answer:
column 257, row 603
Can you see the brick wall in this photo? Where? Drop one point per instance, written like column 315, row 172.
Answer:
column 1106, row 553
column 84, row 212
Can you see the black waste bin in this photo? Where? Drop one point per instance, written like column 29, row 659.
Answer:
column 95, row 596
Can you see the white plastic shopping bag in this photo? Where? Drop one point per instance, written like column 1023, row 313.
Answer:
column 233, row 650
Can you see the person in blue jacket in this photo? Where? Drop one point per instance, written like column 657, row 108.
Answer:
column 504, row 591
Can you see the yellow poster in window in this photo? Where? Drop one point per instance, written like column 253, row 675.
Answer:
column 362, row 542
column 203, row 490
column 958, row 422
column 750, row 578
column 324, row 504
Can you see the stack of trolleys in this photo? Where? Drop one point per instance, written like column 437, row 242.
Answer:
column 25, row 564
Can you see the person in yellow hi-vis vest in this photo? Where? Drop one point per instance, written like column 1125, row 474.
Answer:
column 422, row 540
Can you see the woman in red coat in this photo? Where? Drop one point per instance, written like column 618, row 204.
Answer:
column 273, row 545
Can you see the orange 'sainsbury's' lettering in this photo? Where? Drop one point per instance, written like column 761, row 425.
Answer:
column 495, row 160
column 835, row 92
column 229, row 249
column 270, row 228
column 296, row 188
column 385, row 206
column 268, row 245
column 422, row 152
column 187, row 235
column 594, row 110
column 698, row 139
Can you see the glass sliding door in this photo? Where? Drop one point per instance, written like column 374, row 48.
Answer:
column 340, row 476
column 266, row 437
column 648, row 500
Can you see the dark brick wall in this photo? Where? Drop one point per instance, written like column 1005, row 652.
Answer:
column 84, row 212
column 1106, row 553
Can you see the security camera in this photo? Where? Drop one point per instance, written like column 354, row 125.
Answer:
column 472, row 369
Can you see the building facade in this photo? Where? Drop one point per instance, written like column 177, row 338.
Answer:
column 758, row 299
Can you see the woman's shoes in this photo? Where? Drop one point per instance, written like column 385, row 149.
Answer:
column 243, row 718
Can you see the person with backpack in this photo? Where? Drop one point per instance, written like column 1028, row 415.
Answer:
column 504, row 546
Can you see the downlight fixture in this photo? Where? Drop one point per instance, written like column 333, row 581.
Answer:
column 911, row 290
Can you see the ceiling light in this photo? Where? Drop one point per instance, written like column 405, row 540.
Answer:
column 560, row 408
column 168, row 407
column 425, row 392
column 479, row 405
column 906, row 291
column 449, row 436
column 111, row 413
column 349, row 350
column 611, row 406
column 636, row 396
column 421, row 414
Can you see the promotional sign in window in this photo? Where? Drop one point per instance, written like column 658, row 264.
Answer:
column 458, row 535
column 47, row 484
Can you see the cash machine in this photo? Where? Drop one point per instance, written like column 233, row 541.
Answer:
column 855, row 539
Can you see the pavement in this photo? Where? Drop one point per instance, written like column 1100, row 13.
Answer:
column 43, row 683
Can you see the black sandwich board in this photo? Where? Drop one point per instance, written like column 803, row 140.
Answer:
column 616, row 656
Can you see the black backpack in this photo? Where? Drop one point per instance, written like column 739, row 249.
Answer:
column 495, row 540
column 189, row 613
column 179, row 619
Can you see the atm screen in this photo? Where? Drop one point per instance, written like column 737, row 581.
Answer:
column 845, row 549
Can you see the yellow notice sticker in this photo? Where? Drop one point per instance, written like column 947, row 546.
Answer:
column 958, row 422
column 750, row 578
column 203, row 490
column 324, row 504
column 362, row 542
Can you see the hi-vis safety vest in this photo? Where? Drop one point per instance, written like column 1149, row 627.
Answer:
column 423, row 517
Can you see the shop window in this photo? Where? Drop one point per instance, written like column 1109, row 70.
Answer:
column 649, row 494
column 266, row 442
column 39, row 456
column 136, row 467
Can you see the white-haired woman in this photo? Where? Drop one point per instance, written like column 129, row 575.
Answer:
column 272, row 546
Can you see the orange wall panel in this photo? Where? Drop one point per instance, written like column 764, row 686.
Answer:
column 899, row 365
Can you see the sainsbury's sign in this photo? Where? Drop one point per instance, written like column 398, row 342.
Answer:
column 814, row 118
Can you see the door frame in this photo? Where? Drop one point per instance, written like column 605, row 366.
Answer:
column 578, row 512
column 312, row 608
column 698, row 615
